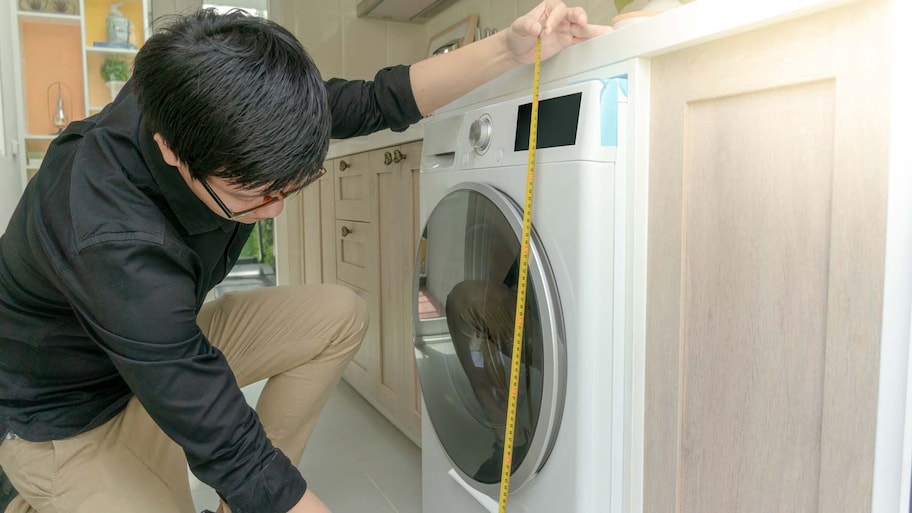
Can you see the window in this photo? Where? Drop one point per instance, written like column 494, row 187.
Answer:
column 256, row 265
column 260, row 245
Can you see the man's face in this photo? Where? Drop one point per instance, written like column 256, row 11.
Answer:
column 225, row 199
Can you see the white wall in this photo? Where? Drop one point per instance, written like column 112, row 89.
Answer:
column 163, row 7
column 10, row 186
column 346, row 46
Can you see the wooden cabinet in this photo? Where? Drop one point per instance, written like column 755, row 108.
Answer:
column 358, row 227
column 768, row 178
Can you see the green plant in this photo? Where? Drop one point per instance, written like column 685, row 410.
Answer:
column 115, row 69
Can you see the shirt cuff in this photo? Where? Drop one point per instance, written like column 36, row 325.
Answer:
column 276, row 489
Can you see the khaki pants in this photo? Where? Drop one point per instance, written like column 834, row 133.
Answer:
column 300, row 338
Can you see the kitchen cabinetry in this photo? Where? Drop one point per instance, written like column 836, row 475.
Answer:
column 60, row 48
column 358, row 227
column 767, row 204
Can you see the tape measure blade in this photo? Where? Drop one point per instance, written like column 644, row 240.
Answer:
column 510, row 431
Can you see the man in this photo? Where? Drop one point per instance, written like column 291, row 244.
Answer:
column 114, row 373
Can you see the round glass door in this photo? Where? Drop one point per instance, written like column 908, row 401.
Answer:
column 465, row 304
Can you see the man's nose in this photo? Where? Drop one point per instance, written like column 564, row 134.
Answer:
column 273, row 209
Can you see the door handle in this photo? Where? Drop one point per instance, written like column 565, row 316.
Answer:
column 387, row 158
column 343, row 165
column 346, row 231
column 398, row 156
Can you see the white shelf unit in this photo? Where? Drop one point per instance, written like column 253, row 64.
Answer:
column 52, row 47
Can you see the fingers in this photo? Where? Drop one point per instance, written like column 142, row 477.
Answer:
column 554, row 14
column 528, row 26
column 545, row 18
column 577, row 16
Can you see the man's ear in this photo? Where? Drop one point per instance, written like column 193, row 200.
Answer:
column 169, row 156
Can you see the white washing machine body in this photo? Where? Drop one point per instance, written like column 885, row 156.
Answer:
column 576, row 409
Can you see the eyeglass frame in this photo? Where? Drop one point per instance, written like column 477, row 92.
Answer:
column 234, row 216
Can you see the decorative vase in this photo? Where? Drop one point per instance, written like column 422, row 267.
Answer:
column 118, row 26
column 115, row 86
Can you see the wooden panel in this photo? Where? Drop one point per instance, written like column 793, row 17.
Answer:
column 353, row 188
column 353, row 254
column 328, row 223
column 411, row 398
column 290, row 241
column 757, row 197
column 767, row 197
column 362, row 372
column 312, row 213
column 390, row 248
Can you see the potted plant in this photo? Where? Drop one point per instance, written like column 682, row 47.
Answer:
column 115, row 72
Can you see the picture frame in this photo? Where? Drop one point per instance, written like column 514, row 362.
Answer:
column 459, row 34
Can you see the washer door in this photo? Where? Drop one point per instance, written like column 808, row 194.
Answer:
column 464, row 310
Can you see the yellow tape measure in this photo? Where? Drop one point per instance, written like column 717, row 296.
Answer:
column 510, row 431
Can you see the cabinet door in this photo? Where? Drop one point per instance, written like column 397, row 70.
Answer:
column 765, row 271
column 391, row 245
column 397, row 235
column 327, row 222
column 362, row 372
column 353, row 188
column 354, row 254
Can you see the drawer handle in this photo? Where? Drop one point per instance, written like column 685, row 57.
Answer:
column 398, row 156
column 343, row 165
column 346, row 231
column 387, row 158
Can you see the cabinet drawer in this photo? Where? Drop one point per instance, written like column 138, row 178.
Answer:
column 353, row 254
column 352, row 188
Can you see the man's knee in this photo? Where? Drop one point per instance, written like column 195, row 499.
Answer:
column 350, row 312
column 467, row 297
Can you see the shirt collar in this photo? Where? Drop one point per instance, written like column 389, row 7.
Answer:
column 194, row 215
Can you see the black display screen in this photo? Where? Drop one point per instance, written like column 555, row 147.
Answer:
column 558, row 119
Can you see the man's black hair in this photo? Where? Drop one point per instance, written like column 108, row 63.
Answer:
column 235, row 96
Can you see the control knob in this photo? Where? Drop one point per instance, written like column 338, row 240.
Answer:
column 480, row 134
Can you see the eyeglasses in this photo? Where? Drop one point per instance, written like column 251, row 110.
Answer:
column 268, row 199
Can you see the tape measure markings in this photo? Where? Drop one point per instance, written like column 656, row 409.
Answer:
column 510, row 432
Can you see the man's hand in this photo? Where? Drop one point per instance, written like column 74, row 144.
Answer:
column 309, row 503
column 560, row 26
column 441, row 79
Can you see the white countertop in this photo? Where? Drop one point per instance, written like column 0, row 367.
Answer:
column 381, row 139
column 691, row 24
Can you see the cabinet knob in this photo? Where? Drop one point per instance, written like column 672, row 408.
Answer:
column 346, row 231
column 387, row 158
column 343, row 165
column 398, row 156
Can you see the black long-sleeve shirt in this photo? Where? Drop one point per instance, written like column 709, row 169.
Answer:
column 104, row 266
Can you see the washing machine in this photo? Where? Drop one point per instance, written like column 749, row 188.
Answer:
column 569, row 449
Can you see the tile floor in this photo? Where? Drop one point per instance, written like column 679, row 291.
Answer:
column 356, row 461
